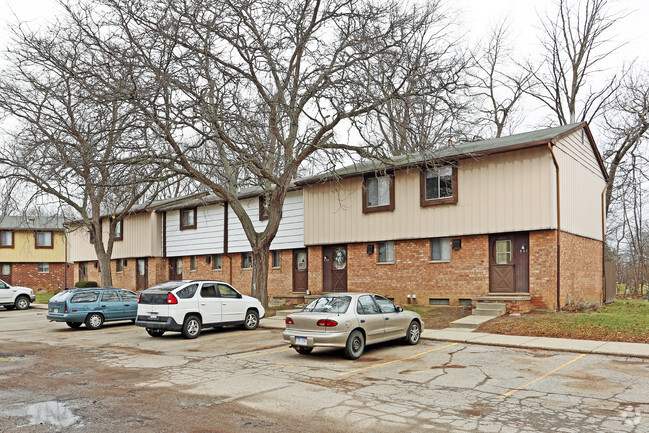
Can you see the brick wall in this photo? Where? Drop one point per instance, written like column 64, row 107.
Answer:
column 581, row 270
column 26, row 274
column 157, row 272
column 543, row 269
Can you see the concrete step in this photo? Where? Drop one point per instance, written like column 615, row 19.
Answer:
column 492, row 313
column 471, row 321
column 489, row 309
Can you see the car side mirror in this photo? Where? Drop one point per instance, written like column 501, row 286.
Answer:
column 399, row 309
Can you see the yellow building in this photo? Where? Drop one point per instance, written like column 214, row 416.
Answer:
column 33, row 252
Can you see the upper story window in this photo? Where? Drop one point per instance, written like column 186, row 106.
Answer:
column 378, row 193
column 44, row 240
column 119, row 234
column 187, row 219
column 6, row 239
column 438, row 186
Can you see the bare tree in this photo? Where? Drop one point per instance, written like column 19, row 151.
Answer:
column 244, row 92
column 500, row 82
column 70, row 137
column 575, row 44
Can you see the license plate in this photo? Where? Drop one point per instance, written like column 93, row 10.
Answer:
column 55, row 310
column 300, row 340
column 153, row 316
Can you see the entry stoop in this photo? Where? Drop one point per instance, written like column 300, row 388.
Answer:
column 489, row 309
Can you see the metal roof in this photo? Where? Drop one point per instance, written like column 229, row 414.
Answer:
column 9, row 222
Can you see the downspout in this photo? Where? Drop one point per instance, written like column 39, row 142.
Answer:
column 65, row 266
column 164, row 234
column 225, row 239
column 604, row 246
column 556, row 165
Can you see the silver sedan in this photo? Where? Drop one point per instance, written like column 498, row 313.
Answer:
column 350, row 321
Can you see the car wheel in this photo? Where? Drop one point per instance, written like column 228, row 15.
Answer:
column 355, row 345
column 155, row 332
column 22, row 303
column 304, row 350
column 74, row 325
column 414, row 333
column 191, row 327
column 251, row 321
column 94, row 321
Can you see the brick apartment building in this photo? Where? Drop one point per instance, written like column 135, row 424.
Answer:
column 33, row 252
column 517, row 219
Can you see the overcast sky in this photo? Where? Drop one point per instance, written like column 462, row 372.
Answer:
column 476, row 16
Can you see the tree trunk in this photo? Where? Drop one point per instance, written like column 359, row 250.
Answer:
column 260, row 259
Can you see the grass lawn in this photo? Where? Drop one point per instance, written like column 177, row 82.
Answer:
column 438, row 317
column 624, row 320
column 43, row 298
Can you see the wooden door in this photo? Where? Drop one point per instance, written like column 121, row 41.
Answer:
column 176, row 268
column 83, row 271
column 509, row 263
column 5, row 273
column 142, row 274
column 334, row 268
column 300, row 270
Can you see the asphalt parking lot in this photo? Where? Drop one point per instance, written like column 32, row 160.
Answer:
column 118, row 378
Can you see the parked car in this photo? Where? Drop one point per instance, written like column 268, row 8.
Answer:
column 15, row 296
column 189, row 306
column 92, row 306
column 350, row 321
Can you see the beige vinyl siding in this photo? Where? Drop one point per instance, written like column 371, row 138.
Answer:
column 142, row 238
column 582, row 183
column 512, row 191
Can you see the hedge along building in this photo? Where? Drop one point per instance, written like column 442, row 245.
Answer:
column 204, row 239
column 517, row 219
column 33, row 252
column 136, row 262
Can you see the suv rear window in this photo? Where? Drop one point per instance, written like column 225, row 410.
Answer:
column 167, row 286
column 61, row 296
column 84, row 297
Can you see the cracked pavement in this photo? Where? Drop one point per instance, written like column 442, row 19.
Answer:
column 248, row 380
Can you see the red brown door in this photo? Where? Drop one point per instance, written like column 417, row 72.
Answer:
column 176, row 268
column 300, row 270
column 5, row 272
column 83, row 271
column 142, row 274
column 509, row 268
column 334, row 268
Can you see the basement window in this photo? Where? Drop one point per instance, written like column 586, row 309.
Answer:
column 439, row 301
column 466, row 303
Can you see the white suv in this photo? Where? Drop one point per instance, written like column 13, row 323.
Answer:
column 189, row 306
column 15, row 296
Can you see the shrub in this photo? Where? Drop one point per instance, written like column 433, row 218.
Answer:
column 84, row 284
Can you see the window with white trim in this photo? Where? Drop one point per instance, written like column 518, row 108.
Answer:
column 43, row 268
column 439, row 183
column 440, row 249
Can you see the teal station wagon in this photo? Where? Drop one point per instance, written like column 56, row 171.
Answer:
column 92, row 306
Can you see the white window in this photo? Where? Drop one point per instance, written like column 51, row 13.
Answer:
column 386, row 252
column 440, row 249
column 44, row 268
column 118, row 231
column 276, row 259
column 378, row 191
column 193, row 263
column 43, row 239
column 119, row 266
column 439, row 183
column 5, row 269
column 246, row 260
column 217, row 262
column 6, row 239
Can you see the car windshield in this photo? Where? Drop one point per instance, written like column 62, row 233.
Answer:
column 329, row 304
column 167, row 286
column 61, row 296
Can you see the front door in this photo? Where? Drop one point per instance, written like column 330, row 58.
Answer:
column 5, row 272
column 334, row 268
column 142, row 278
column 176, row 268
column 83, row 271
column 509, row 263
column 300, row 270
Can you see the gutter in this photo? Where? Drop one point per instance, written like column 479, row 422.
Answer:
column 556, row 165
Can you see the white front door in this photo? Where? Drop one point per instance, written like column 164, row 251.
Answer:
column 210, row 303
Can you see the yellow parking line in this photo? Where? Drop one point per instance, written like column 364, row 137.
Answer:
column 396, row 360
column 262, row 353
column 515, row 390
column 11, row 358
